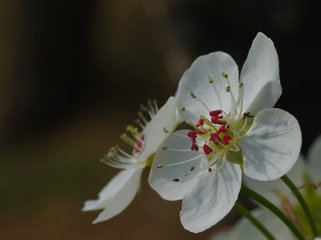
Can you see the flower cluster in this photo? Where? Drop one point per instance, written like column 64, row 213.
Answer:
column 306, row 175
column 233, row 133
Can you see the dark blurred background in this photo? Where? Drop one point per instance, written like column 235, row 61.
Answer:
column 72, row 74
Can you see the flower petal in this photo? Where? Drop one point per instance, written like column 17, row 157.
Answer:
column 225, row 235
column 272, row 145
column 245, row 230
column 260, row 76
column 314, row 163
column 116, row 195
column 174, row 167
column 166, row 118
column 212, row 198
column 274, row 189
column 209, row 96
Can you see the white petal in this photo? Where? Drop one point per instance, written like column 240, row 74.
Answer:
column 167, row 117
column 172, row 172
column 260, row 76
column 272, row 145
column 116, row 195
column 196, row 80
column 221, row 236
column 245, row 230
column 314, row 160
column 212, row 198
column 273, row 189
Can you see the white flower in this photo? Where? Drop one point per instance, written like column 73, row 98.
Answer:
column 235, row 129
column 306, row 175
column 245, row 230
column 144, row 138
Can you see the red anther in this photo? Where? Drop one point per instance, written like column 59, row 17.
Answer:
column 200, row 131
column 215, row 113
column 142, row 137
column 138, row 144
column 222, row 129
column 192, row 135
column 227, row 139
column 200, row 122
column 215, row 138
column 216, row 120
column 194, row 147
column 207, row 149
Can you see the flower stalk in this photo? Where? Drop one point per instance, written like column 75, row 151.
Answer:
column 243, row 211
column 267, row 204
column 302, row 202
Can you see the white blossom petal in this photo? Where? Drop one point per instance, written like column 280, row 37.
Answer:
column 245, row 230
column 260, row 76
column 272, row 145
column 314, row 163
column 225, row 235
column 174, row 167
column 272, row 190
column 212, row 197
column 213, row 95
column 116, row 195
column 166, row 118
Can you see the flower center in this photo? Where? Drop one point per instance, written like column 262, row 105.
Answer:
column 218, row 135
column 139, row 144
column 134, row 136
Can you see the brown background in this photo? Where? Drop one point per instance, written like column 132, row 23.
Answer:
column 72, row 74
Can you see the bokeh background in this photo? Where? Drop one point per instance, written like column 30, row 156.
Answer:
column 72, row 75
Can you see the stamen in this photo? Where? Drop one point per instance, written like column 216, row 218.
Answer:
column 194, row 147
column 117, row 158
column 240, row 100
column 207, row 149
column 165, row 148
column 224, row 75
column 178, row 135
column 215, row 113
column 192, row 134
column 228, row 89
column 133, row 130
column 211, row 82
column 193, row 95
column 142, row 117
column 128, row 139
column 183, row 162
column 215, row 138
column 208, row 122
column 200, row 123
column 222, row 129
column 244, row 125
column 227, row 139
column 140, row 124
column 165, row 130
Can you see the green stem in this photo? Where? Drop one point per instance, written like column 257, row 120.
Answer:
column 243, row 211
column 302, row 202
column 266, row 203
